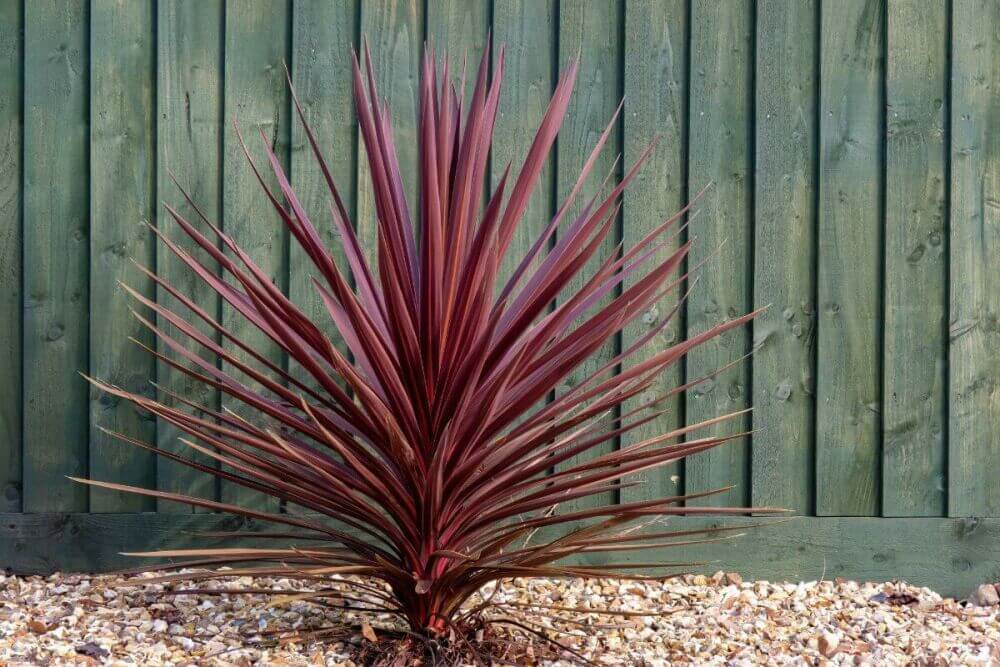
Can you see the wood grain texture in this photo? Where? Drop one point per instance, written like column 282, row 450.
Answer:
column 849, row 396
column 258, row 41
column 395, row 33
column 189, row 135
column 952, row 556
column 528, row 29
column 56, row 254
column 719, row 152
column 322, row 36
column 974, row 362
column 591, row 30
column 51, row 542
column 949, row 555
column 655, row 80
column 916, row 269
column 122, row 202
column 11, row 124
column 459, row 28
column 784, row 255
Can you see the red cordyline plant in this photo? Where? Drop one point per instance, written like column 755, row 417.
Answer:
column 424, row 459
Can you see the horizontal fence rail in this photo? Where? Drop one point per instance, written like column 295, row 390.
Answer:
column 952, row 555
column 853, row 153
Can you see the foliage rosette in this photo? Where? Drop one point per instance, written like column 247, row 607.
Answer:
column 433, row 456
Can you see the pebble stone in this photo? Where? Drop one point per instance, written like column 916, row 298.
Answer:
column 717, row 620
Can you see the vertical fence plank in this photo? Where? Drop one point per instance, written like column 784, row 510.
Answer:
column 592, row 31
column 323, row 34
column 915, row 349
column 528, row 29
column 122, row 183
column 974, row 361
column 655, row 80
column 56, row 223
column 11, row 50
column 395, row 33
column 784, row 255
column 719, row 152
column 459, row 28
column 850, row 258
column 256, row 96
column 190, row 39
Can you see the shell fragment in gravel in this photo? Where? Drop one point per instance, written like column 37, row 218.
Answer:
column 719, row 620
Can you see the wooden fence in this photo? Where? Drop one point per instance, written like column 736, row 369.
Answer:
column 854, row 147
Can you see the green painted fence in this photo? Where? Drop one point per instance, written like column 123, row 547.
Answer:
column 854, row 148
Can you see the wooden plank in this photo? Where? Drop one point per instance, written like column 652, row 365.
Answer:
column 656, row 62
column 189, row 135
column 848, row 396
column 11, row 60
column 719, row 152
column 950, row 555
column 122, row 191
column 37, row 543
column 974, row 365
column 322, row 36
column 916, row 271
column 528, row 30
column 592, row 30
column 458, row 28
column 783, row 464
column 257, row 45
column 56, row 254
column 395, row 31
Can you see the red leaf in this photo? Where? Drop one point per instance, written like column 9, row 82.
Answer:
column 421, row 453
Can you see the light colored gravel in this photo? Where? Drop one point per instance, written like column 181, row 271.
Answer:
column 716, row 620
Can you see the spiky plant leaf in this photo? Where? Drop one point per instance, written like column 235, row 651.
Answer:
column 424, row 459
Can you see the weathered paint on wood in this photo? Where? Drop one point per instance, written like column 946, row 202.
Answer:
column 784, row 254
column 75, row 179
column 189, row 136
column 974, row 354
column 395, row 33
column 950, row 555
column 11, row 58
column 322, row 36
column 122, row 203
column 591, row 30
column 56, row 254
column 720, row 152
column 528, row 29
column 655, row 81
column 849, row 394
column 459, row 28
column 258, row 41
column 93, row 542
column 915, row 349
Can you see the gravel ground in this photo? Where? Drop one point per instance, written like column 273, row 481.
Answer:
column 717, row 620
